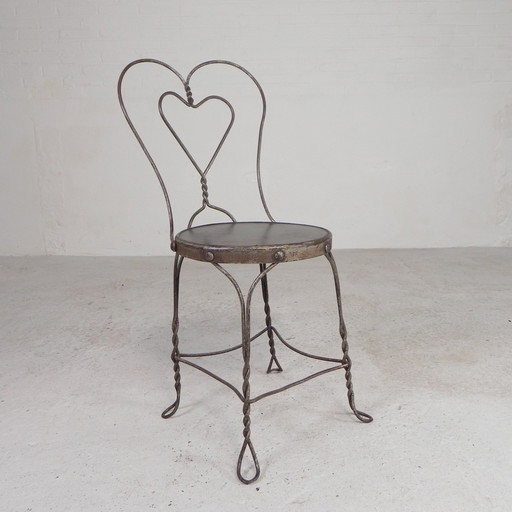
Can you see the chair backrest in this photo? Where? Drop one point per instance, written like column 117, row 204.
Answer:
column 190, row 102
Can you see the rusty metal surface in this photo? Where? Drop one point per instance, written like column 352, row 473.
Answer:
column 267, row 244
column 252, row 242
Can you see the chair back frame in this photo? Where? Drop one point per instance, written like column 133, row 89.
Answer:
column 190, row 102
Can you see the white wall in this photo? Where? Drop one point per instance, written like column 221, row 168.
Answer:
column 390, row 122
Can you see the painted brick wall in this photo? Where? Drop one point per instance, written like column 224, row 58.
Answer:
column 390, row 122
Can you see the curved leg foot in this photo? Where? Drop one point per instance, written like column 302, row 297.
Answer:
column 175, row 355
column 170, row 410
column 246, row 388
column 277, row 368
column 361, row 416
column 177, row 376
column 248, row 443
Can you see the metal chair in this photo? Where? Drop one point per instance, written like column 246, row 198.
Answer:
column 267, row 244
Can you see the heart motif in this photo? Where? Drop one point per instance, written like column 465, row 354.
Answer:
column 190, row 103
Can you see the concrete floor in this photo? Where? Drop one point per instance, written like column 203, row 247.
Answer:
column 85, row 373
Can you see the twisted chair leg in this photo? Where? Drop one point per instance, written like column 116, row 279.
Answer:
column 362, row 416
column 175, row 355
column 268, row 322
column 246, row 372
column 246, row 391
column 245, row 310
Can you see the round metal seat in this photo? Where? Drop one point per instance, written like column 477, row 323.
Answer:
column 253, row 242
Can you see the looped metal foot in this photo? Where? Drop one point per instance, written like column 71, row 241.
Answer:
column 362, row 416
column 248, row 443
column 171, row 410
column 277, row 367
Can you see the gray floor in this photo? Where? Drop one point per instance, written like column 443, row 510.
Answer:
column 85, row 373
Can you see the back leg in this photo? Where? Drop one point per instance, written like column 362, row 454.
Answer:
column 175, row 356
column 361, row 416
column 268, row 322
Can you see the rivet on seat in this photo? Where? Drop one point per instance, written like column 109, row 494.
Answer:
column 279, row 255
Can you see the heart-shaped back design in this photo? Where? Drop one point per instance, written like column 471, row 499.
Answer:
column 189, row 102
column 202, row 172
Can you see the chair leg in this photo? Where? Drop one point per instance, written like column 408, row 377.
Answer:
column 268, row 322
column 362, row 416
column 246, row 354
column 245, row 310
column 246, row 391
column 175, row 355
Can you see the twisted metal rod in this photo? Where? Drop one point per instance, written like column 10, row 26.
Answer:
column 362, row 416
column 175, row 355
column 268, row 323
column 246, row 388
column 202, row 173
column 245, row 310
